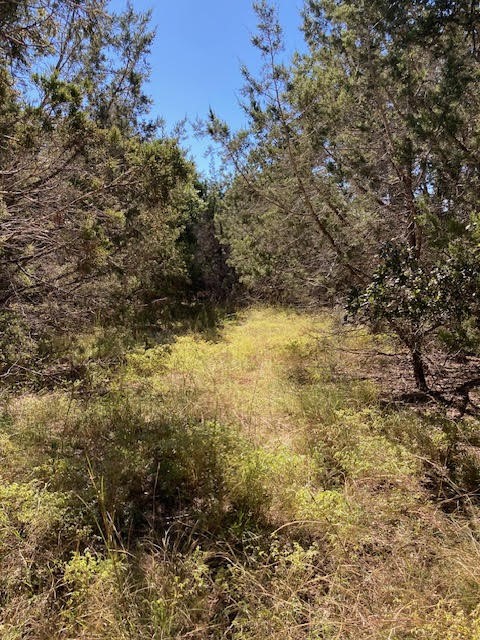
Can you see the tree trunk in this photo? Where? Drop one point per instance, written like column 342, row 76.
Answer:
column 419, row 370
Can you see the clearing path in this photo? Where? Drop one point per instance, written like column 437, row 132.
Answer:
column 249, row 486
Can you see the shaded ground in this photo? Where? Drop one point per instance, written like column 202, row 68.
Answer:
column 454, row 379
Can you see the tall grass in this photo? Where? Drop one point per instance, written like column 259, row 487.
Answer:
column 241, row 484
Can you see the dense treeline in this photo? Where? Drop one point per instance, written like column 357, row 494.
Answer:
column 356, row 180
column 358, row 175
column 101, row 214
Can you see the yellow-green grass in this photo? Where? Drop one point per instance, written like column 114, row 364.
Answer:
column 246, row 487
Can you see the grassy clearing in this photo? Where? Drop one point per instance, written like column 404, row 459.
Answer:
column 244, row 487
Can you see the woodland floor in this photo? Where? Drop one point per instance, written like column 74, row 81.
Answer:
column 256, row 482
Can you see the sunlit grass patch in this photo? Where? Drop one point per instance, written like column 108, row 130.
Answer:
column 239, row 378
column 249, row 486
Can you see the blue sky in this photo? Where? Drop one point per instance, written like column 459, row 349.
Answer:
column 196, row 57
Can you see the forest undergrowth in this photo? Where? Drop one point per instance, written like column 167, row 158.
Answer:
column 248, row 483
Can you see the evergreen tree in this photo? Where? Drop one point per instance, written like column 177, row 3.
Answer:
column 94, row 202
column 359, row 170
column 393, row 91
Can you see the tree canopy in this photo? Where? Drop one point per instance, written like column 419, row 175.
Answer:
column 357, row 178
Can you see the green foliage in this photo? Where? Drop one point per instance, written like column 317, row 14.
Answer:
column 101, row 215
column 29, row 514
column 357, row 168
column 420, row 298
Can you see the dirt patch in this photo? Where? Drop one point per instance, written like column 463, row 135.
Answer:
column 453, row 379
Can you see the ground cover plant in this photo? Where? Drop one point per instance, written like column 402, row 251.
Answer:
column 244, row 486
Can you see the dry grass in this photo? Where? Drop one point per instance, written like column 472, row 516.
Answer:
column 247, row 487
